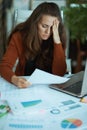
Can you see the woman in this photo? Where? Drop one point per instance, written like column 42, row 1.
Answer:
column 39, row 42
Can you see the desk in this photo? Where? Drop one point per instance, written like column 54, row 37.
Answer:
column 65, row 112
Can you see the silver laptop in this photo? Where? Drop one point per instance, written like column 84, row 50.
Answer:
column 76, row 85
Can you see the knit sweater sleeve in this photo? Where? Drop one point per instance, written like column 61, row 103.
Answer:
column 10, row 57
column 59, row 60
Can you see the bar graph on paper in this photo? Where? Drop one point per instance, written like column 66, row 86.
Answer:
column 26, row 126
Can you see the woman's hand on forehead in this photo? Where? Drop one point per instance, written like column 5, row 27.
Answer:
column 55, row 31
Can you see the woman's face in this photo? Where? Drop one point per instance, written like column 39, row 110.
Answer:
column 45, row 26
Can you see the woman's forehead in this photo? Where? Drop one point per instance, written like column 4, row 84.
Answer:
column 47, row 19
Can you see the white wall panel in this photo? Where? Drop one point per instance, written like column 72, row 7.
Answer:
column 59, row 2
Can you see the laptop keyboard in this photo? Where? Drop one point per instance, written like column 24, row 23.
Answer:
column 75, row 88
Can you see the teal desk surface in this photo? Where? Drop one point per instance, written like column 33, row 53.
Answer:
column 46, row 109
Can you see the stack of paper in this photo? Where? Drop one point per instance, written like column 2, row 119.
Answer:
column 28, row 101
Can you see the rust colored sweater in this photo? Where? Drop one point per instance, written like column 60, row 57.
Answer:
column 15, row 50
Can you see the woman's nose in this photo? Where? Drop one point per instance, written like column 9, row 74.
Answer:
column 47, row 30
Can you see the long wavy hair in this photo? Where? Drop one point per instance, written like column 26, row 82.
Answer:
column 31, row 42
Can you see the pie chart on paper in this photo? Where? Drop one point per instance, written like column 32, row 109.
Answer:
column 71, row 123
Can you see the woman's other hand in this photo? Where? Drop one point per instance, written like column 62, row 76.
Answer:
column 20, row 82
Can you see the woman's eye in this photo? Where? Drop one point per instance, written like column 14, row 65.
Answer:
column 44, row 26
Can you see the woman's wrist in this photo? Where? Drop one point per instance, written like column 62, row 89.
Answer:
column 14, row 79
column 57, row 40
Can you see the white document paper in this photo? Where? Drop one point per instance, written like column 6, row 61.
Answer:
column 6, row 86
column 26, row 101
column 53, row 119
column 42, row 77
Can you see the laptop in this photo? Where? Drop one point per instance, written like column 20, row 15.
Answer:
column 75, row 86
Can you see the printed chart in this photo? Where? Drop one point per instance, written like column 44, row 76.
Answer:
column 26, row 126
column 71, row 123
